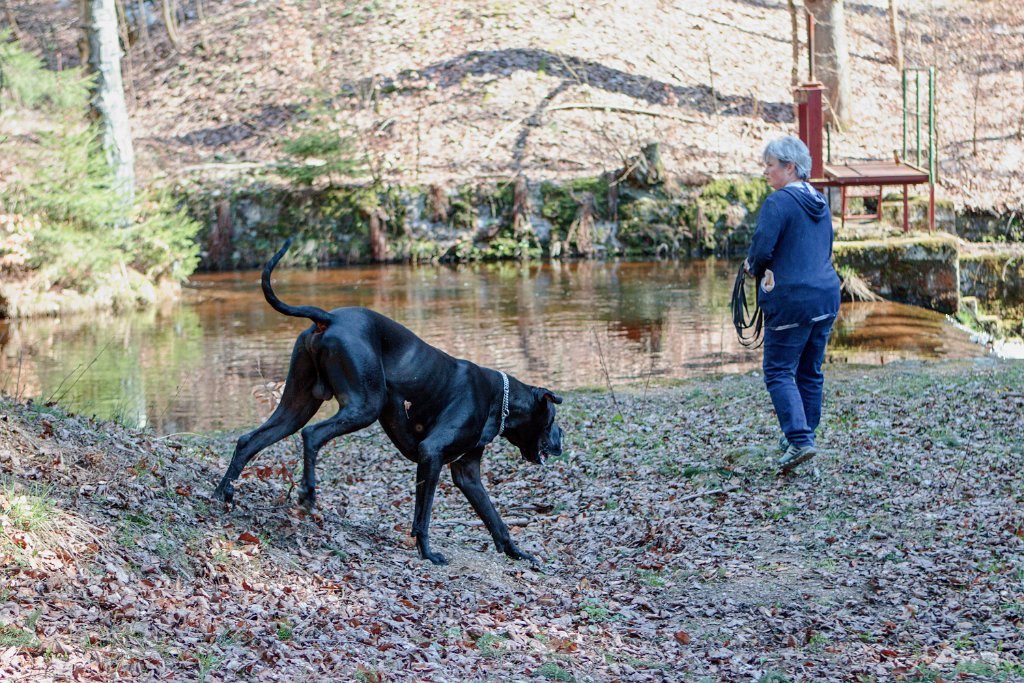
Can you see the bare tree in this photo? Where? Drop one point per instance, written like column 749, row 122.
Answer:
column 794, row 21
column 171, row 23
column 831, row 56
column 142, row 25
column 894, row 31
column 108, row 98
column 201, row 16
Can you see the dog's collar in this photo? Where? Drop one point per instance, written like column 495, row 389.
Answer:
column 504, row 402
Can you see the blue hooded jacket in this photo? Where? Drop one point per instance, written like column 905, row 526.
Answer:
column 794, row 240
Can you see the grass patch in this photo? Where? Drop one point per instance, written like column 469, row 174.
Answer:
column 13, row 636
column 490, row 645
column 554, row 672
column 27, row 511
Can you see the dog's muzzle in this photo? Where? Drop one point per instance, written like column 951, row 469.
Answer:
column 551, row 446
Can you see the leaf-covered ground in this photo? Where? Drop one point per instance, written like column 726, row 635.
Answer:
column 670, row 548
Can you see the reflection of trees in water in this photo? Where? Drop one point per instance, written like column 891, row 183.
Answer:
column 123, row 366
column 195, row 367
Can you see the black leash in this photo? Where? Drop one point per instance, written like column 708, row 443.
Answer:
column 749, row 326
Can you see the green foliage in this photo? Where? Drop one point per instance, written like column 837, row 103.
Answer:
column 561, row 203
column 83, row 238
column 320, row 152
column 554, row 672
column 31, row 511
column 31, row 85
column 12, row 636
column 490, row 645
column 595, row 612
column 501, row 247
column 285, row 631
column 749, row 193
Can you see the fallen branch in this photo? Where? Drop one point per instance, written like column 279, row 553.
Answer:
column 706, row 492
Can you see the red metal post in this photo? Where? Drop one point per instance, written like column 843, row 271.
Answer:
column 809, row 115
column 906, row 210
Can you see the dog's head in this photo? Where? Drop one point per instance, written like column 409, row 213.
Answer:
column 535, row 434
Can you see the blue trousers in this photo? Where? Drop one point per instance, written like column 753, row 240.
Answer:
column 792, row 373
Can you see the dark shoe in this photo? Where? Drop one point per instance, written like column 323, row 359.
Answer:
column 783, row 443
column 795, row 455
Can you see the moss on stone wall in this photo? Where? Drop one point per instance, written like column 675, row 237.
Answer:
column 923, row 271
column 996, row 281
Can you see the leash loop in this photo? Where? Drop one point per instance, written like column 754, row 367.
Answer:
column 504, row 402
column 749, row 326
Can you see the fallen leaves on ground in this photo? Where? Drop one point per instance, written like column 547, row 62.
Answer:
column 670, row 547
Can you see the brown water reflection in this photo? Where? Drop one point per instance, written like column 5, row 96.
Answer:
column 193, row 367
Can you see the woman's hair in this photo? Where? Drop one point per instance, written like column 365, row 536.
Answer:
column 790, row 150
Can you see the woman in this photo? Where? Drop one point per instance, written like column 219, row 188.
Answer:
column 799, row 293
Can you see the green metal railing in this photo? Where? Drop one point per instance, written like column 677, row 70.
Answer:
column 932, row 157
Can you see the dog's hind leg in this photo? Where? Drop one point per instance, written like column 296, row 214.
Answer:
column 360, row 390
column 298, row 404
column 428, row 472
column 466, row 475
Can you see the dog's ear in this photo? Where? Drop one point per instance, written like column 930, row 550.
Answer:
column 543, row 394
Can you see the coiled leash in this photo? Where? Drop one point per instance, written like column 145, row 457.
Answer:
column 749, row 326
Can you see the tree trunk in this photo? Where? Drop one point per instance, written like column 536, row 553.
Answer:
column 9, row 15
column 108, row 98
column 378, row 236
column 201, row 16
column 171, row 24
column 894, row 30
column 794, row 27
column 831, row 57
column 129, row 71
column 143, row 26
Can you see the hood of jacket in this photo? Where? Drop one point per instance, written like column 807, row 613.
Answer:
column 808, row 199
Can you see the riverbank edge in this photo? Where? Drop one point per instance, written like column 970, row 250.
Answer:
column 641, row 214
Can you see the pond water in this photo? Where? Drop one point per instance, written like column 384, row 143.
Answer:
column 202, row 364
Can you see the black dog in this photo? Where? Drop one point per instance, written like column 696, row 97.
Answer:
column 436, row 409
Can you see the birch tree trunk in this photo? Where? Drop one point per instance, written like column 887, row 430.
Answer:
column 831, row 57
column 108, row 98
column 894, row 30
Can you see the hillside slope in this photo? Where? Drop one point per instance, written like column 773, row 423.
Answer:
column 485, row 89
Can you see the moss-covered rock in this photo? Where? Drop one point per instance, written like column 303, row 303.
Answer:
column 978, row 226
column 995, row 280
column 923, row 271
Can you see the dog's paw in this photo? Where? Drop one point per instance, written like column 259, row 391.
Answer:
column 225, row 491
column 426, row 553
column 307, row 497
column 436, row 558
column 517, row 554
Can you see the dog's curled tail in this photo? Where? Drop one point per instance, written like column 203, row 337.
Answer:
column 318, row 315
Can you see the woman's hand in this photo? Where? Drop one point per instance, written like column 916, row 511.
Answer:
column 768, row 281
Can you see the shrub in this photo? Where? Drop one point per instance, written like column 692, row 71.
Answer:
column 71, row 230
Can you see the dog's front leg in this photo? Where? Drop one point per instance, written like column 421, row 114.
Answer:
column 428, row 471
column 466, row 474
